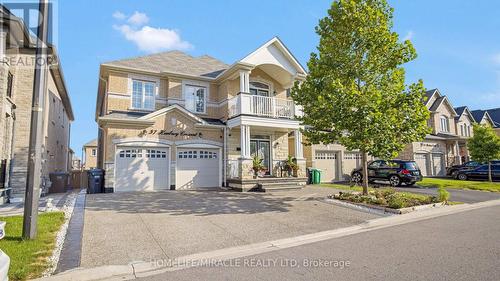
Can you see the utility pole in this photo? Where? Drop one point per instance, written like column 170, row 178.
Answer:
column 36, row 128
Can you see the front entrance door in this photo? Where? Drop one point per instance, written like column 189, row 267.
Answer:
column 262, row 148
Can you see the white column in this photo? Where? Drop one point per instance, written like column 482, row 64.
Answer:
column 457, row 148
column 299, row 154
column 245, row 141
column 244, row 81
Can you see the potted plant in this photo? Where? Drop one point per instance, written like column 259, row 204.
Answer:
column 291, row 166
column 257, row 166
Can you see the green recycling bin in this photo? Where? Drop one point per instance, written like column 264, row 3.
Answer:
column 316, row 176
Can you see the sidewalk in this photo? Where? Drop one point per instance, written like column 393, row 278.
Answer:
column 57, row 202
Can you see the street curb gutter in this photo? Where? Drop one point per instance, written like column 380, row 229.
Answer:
column 143, row 269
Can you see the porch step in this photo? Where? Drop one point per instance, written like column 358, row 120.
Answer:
column 270, row 186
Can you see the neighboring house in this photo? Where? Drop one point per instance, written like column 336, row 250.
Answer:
column 16, row 89
column 76, row 164
column 173, row 121
column 446, row 145
column 494, row 114
column 90, row 154
column 483, row 117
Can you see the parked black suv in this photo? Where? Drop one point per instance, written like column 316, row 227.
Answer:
column 469, row 165
column 395, row 171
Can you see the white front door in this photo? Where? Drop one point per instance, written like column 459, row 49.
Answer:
column 141, row 169
column 438, row 164
column 197, row 168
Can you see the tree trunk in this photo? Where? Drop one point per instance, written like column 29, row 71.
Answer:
column 365, row 172
column 489, row 171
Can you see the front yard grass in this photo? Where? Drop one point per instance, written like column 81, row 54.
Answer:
column 29, row 258
column 458, row 184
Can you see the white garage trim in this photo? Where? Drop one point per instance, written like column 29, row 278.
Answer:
column 198, row 144
column 142, row 143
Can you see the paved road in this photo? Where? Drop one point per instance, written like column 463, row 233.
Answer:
column 463, row 246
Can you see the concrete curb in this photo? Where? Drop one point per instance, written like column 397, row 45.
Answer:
column 383, row 211
column 143, row 269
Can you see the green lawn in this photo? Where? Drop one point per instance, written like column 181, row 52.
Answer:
column 458, row 184
column 28, row 258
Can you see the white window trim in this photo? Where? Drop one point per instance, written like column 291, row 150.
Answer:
column 93, row 152
column 143, row 78
column 263, row 81
column 446, row 129
column 195, row 83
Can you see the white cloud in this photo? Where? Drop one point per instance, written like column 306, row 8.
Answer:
column 408, row 36
column 138, row 19
column 151, row 39
column 119, row 15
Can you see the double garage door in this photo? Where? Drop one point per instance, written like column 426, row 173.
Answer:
column 329, row 163
column 430, row 164
column 147, row 169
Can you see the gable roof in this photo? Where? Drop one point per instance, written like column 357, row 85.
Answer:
column 460, row 111
column 429, row 94
column 480, row 114
column 174, row 62
column 165, row 110
column 495, row 116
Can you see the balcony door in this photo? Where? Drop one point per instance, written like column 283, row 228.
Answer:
column 261, row 104
column 262, row 148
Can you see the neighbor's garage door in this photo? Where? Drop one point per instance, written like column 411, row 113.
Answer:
column 140, row 169
column 326, row 161
column 197, row 168
column 352, row 160
column 438, row 164
column 422, row 161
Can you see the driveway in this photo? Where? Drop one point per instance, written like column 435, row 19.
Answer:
column 123, row 227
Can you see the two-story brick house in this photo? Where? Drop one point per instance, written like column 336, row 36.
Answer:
column 170, row 120
column 16, row 89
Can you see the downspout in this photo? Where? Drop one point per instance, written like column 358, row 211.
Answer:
column 224, row 169
column 12, row 148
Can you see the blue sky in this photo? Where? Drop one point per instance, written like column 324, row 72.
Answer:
column 458, row 44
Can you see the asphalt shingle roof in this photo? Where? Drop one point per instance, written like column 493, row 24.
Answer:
column 478, row 115
column 91, row 143
column 175, row 62
column 495, row 115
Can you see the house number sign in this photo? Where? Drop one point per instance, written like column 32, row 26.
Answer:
column 170, row 133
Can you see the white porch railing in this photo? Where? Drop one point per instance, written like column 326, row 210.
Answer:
column 246, row 104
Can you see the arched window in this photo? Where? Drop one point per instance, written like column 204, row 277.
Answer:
column 259, row 89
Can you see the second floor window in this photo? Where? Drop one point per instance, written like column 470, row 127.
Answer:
column 445, row 125
column 259, row 89
column 195, row 98
column 94, row 152
column 143, row 95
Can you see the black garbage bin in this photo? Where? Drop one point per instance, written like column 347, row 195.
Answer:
column 309, row 176
column 96, row 181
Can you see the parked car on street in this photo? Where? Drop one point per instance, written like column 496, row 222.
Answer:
column 469, row 165
column 394, row 171
column 480, row 173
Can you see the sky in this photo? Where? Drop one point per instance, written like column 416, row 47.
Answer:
column 457, row 42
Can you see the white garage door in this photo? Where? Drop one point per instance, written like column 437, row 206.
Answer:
column 326, row 161
column 438, row 164
column 197, row 168
column 141, row 169
column 352, row 160
column 422, row 161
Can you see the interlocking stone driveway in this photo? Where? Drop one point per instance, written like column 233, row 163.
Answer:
column 124, row 227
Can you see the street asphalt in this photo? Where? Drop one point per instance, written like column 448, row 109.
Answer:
column 120, row 228
column 461, row 246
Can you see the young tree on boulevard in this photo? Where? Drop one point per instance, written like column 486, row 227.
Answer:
column 355, row 93
column 484, row 146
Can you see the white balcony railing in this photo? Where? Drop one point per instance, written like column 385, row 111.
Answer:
column 246, row 104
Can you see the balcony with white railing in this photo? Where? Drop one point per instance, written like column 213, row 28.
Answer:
column 247, row 104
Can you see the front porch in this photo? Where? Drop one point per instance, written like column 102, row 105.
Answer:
column 271, row 144
column 457, row 152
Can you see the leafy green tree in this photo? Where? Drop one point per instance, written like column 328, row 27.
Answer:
column 355, row 93
column 484, row 146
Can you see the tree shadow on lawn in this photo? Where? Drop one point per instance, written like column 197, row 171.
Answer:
column 202, row 203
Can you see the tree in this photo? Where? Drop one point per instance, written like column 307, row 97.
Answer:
column 355, row 93
column 484, row 146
